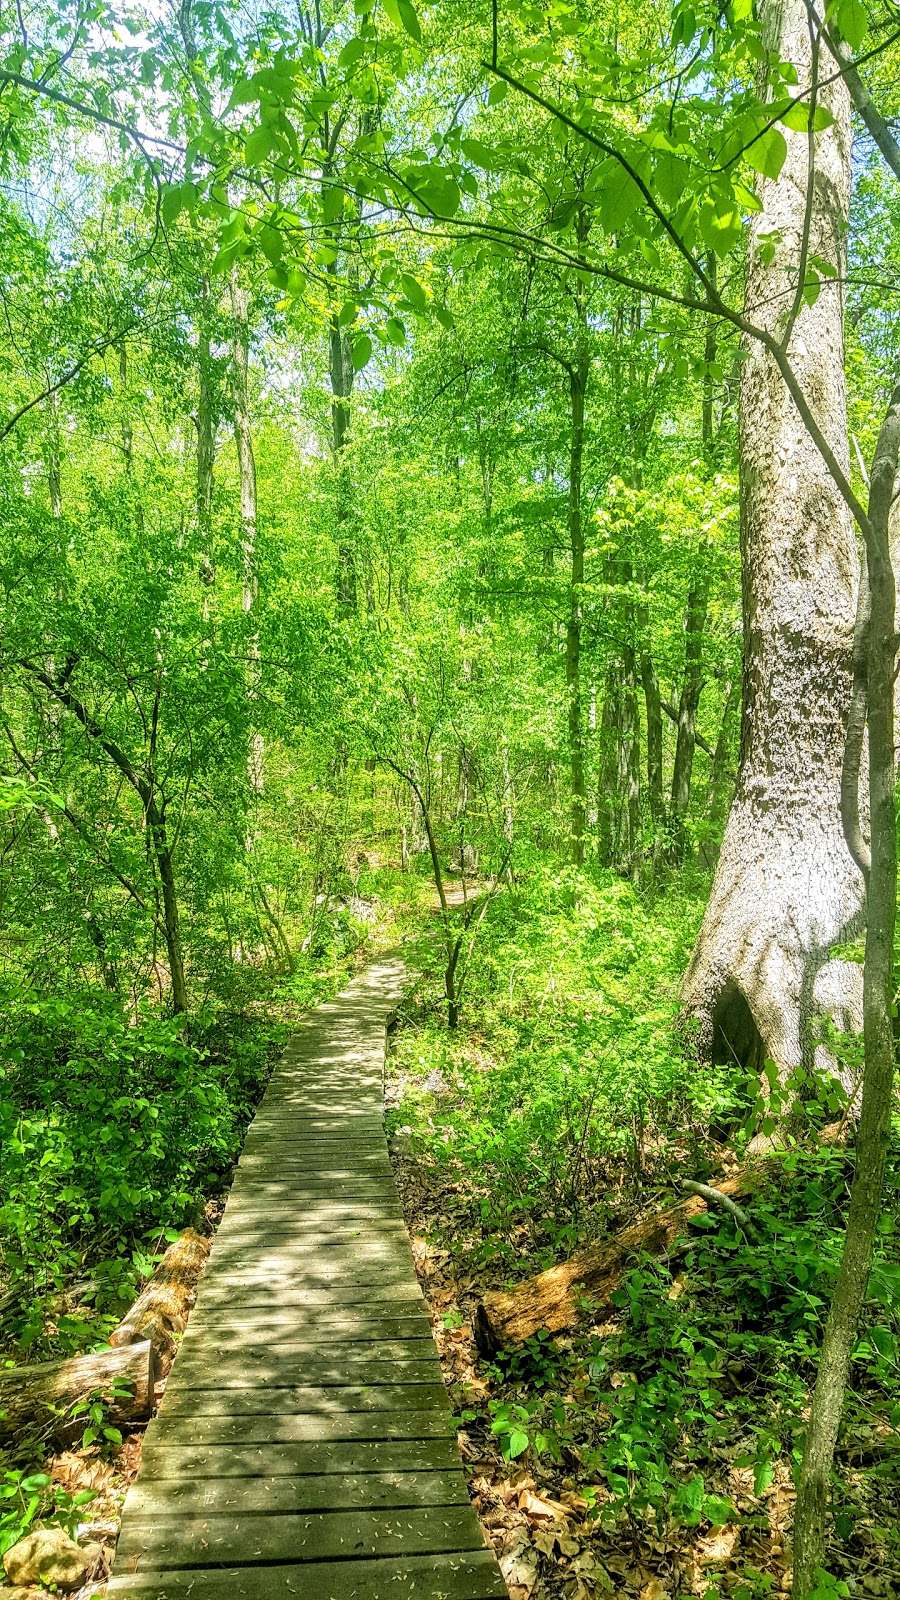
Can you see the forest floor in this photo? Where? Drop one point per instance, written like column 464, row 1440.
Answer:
column 544, row 1512
column 649, row 1454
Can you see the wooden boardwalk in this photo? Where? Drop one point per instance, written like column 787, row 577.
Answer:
column 304, row 1448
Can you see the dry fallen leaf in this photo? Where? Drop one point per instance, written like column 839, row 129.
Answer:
column 535, row 1506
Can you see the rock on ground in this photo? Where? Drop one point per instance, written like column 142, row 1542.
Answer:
column 49, row 1556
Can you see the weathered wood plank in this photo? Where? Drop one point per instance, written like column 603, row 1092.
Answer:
column 366, row 1491
column 345, row 1339
column 393, row 1300
column 334, row 1295
column 224, row 1427
column 205, row 1369
column 300, row 1399
column 319, row 1458
column 469, row 1576
column 178, row 1541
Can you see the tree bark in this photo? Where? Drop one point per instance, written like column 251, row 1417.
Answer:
column 553, row 1299
column 39, row 1399
column 786, row 887
column 578, row 380
column 206, row 439
column 161, row 1310
column 249, row 517
column 608, row 791
column 878, row 999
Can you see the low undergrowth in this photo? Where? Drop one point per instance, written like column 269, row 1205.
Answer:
column 651, row 1451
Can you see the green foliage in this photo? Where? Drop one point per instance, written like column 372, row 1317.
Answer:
column 571, row 1064
column 28, row 1497
column 112, row 1130
column 709, row 1360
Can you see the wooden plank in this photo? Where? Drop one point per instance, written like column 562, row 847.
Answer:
column 205, row 1369
column 332, row 1492
column 319, row 1458
column 325, row 1215
column 180, row 1541
column 301, row 1333
column 304, row 1399
column 215, row 1425
column 380, row 1299
column 465, row 1576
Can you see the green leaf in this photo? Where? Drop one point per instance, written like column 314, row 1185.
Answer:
column 352, row 52
column 394, row 330
column 258, row 145
column 517, row 1443
column 361, row 351
column 403, row 15
column 852, row 21
column 413, row 290
column 768, row 153
column 797, row 116
column 332, row 203
column 497, row 92
column 481, row 155
column 439, row 191
column 271, row 243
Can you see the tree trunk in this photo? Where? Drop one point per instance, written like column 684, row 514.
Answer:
column 608, row 790
column 206, row 439
column 653, row 710
column 786, row 887
column 162, row 851
column 691, row 687
column 878, row 1000
column 243, row 438
column 630, row 757
column 694, row 625
column 578, row 379
column 717, row 786
column 38, row 1399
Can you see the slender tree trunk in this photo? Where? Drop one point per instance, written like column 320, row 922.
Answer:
column 156, row 821
column 578, row 380
column 653, row 712
column 878, row 999
column 631, row 758
column 243, row 438
column 691, row 689
column 206, row 439
column 694, row 624
column 786, row 887
column 608, row 790
column 341, row 376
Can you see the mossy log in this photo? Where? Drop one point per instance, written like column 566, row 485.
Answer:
column 164, row 1305
column 553, row 1299
column 38, row 1400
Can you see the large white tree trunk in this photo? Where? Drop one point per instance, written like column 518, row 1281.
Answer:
column 786, row 888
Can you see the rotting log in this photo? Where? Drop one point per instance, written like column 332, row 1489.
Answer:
column 38, row 1399
column 553, row 1299
column 164, row 1305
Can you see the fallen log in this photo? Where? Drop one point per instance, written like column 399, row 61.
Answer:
column 164, row 1304
column 37, row 1400
column 553, row 1299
